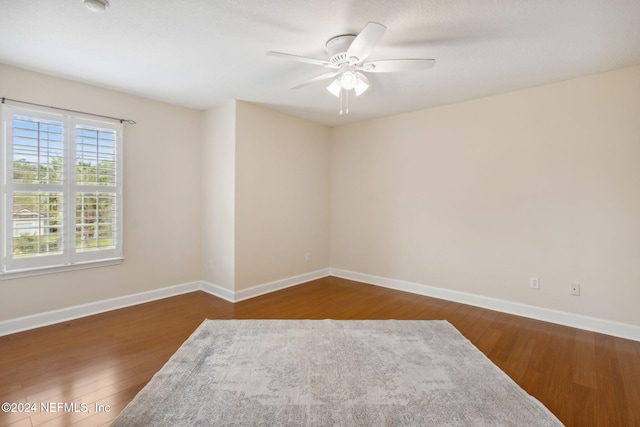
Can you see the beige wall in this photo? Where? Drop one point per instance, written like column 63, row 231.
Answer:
column 475, row 197
column 161, row 198
column 218, row 163
column 282, row 196
column 480, row 196
column 265, row 196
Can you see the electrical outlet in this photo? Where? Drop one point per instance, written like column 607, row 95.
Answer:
column 307, row 257
column 575, row 289
column 534, row 283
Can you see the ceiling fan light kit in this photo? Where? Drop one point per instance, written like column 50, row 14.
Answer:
column 348, row 80
column 335, row 88
column 347, row 53
column 362, row 84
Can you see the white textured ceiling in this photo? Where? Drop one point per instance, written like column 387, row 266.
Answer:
column 201, row 53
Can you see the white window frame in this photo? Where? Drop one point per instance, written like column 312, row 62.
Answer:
column 70, row 258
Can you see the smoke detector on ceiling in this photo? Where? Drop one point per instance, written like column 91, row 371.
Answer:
column 98, row 6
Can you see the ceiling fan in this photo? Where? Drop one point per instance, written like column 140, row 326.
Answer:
column 347, row 55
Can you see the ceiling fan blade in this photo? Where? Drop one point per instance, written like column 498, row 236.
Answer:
column 315, row 79
column 397, row 65
column 304, row 59
column 365, row 42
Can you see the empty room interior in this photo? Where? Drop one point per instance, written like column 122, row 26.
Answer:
column 483, row 171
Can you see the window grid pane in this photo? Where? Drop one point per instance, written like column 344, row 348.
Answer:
column 96, row 221
column 37, row 150
column 95, row 156
column 37, row 223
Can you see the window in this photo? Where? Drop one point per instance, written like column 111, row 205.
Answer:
column 61, row 192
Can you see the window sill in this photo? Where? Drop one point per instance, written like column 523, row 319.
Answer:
column 59, row 269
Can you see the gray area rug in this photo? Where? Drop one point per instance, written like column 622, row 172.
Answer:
column 331, row 373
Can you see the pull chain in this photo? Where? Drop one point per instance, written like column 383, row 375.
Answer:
column 344, row 101
column 347, row 99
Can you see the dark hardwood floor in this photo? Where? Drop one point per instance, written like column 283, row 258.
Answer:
column 102, row 361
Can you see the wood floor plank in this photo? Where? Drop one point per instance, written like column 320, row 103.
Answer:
column 584, row 372
column 583, row 377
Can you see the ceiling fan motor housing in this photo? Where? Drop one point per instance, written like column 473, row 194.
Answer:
column 337, row 48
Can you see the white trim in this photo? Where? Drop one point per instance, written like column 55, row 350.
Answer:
column 622, row 330
column 217, row 291
column 264, row 288
column 47, row 318
column 60, row 269
column 608, row 327
column 277, row 285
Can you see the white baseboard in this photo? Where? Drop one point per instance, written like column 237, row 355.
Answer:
column 264, row 288
column 33, row 321
column 217, row 291
column 608, row 327
column 38, row 320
